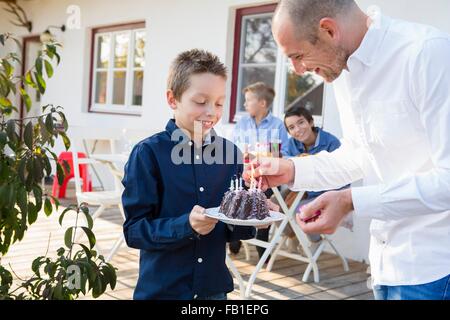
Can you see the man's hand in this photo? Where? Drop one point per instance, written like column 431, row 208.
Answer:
column 201, row 223
column 273, row 171
column 325, row 214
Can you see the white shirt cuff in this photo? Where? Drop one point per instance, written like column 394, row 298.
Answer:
column 367, row 202
column 304, row 174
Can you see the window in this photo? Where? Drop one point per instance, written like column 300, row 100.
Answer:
column 117, row 71
column 257, row 58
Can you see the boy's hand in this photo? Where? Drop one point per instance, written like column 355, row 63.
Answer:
column 201, row 223
column 272, row 206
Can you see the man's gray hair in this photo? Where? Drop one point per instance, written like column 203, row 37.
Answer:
column 306, row 14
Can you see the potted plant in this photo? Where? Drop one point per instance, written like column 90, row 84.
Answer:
column 25, row 158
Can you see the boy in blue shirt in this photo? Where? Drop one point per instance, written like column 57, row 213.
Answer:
column 306, row 139
column 171, row 178
column 259, row 125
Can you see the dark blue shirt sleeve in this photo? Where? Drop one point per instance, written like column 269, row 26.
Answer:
column 333, row 145
column 143, row 229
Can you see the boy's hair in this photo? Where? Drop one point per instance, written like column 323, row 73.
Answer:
column 262, row 92
column 189, row 63
column 298, row 111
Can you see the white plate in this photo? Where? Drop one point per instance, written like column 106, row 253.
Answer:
column 214, row 213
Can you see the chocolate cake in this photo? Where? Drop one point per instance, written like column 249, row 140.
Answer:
column 245, row 204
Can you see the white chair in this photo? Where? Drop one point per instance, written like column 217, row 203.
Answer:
column 103, row 199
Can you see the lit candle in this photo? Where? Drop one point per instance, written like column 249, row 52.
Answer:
column 252, row 180
column 237, row 183
column 240, row 184
column 231, row 185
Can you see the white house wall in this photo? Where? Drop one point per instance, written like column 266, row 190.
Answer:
column 173, row 26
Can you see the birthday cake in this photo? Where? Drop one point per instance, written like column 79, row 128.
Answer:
column 241, row 204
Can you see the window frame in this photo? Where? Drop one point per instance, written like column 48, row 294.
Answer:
column 282, row 66
column 109, row 108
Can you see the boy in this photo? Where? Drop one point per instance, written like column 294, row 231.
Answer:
column 168, row 185
column 259, row 126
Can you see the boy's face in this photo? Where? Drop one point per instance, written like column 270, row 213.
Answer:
column 253, row 105
column 299, row 128
column 201, row 105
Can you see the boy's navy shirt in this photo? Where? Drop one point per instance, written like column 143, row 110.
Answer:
column 159, row 195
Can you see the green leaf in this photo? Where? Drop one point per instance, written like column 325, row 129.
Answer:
column 29, row 80
column 48, row 208
column 97, row 290
column 90, row 235
column 22, row 200
column 22, row 170
column 59, row 174
column 3, row 139
column 11, row 132
column 40, row 82
column 48, row 68
column 109, row 270
column 5, row 102
column 58, row 58
column 49, row 124
column 68, row 237
column 33, row 212
column 5, row 195
column 58, row 292
column 47, row 165
column 51, row 50
column 36, row 265
column 26, row 99
column 38, row 65
column 31, row 177
column 60, row 251
column 37, row 191
column 61, row 217
column 89, row 220
column 86, row 251
column 55, row 201
column 66, row 141
column 28, row 135
column 8, row 68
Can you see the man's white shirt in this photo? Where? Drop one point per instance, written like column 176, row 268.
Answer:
column 394, row 106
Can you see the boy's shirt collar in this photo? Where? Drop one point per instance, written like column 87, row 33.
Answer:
column 267, row 118
column 171, row 127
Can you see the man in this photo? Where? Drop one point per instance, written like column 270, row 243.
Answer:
column 391, row 80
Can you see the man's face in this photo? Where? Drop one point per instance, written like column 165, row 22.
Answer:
column 253, row 105
column 201, row 105
column 325, row 58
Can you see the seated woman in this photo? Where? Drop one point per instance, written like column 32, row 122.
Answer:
column 306, row 139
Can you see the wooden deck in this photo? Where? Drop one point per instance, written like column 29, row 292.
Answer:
column 283, row 282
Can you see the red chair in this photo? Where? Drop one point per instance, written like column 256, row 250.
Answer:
column 60, row 191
